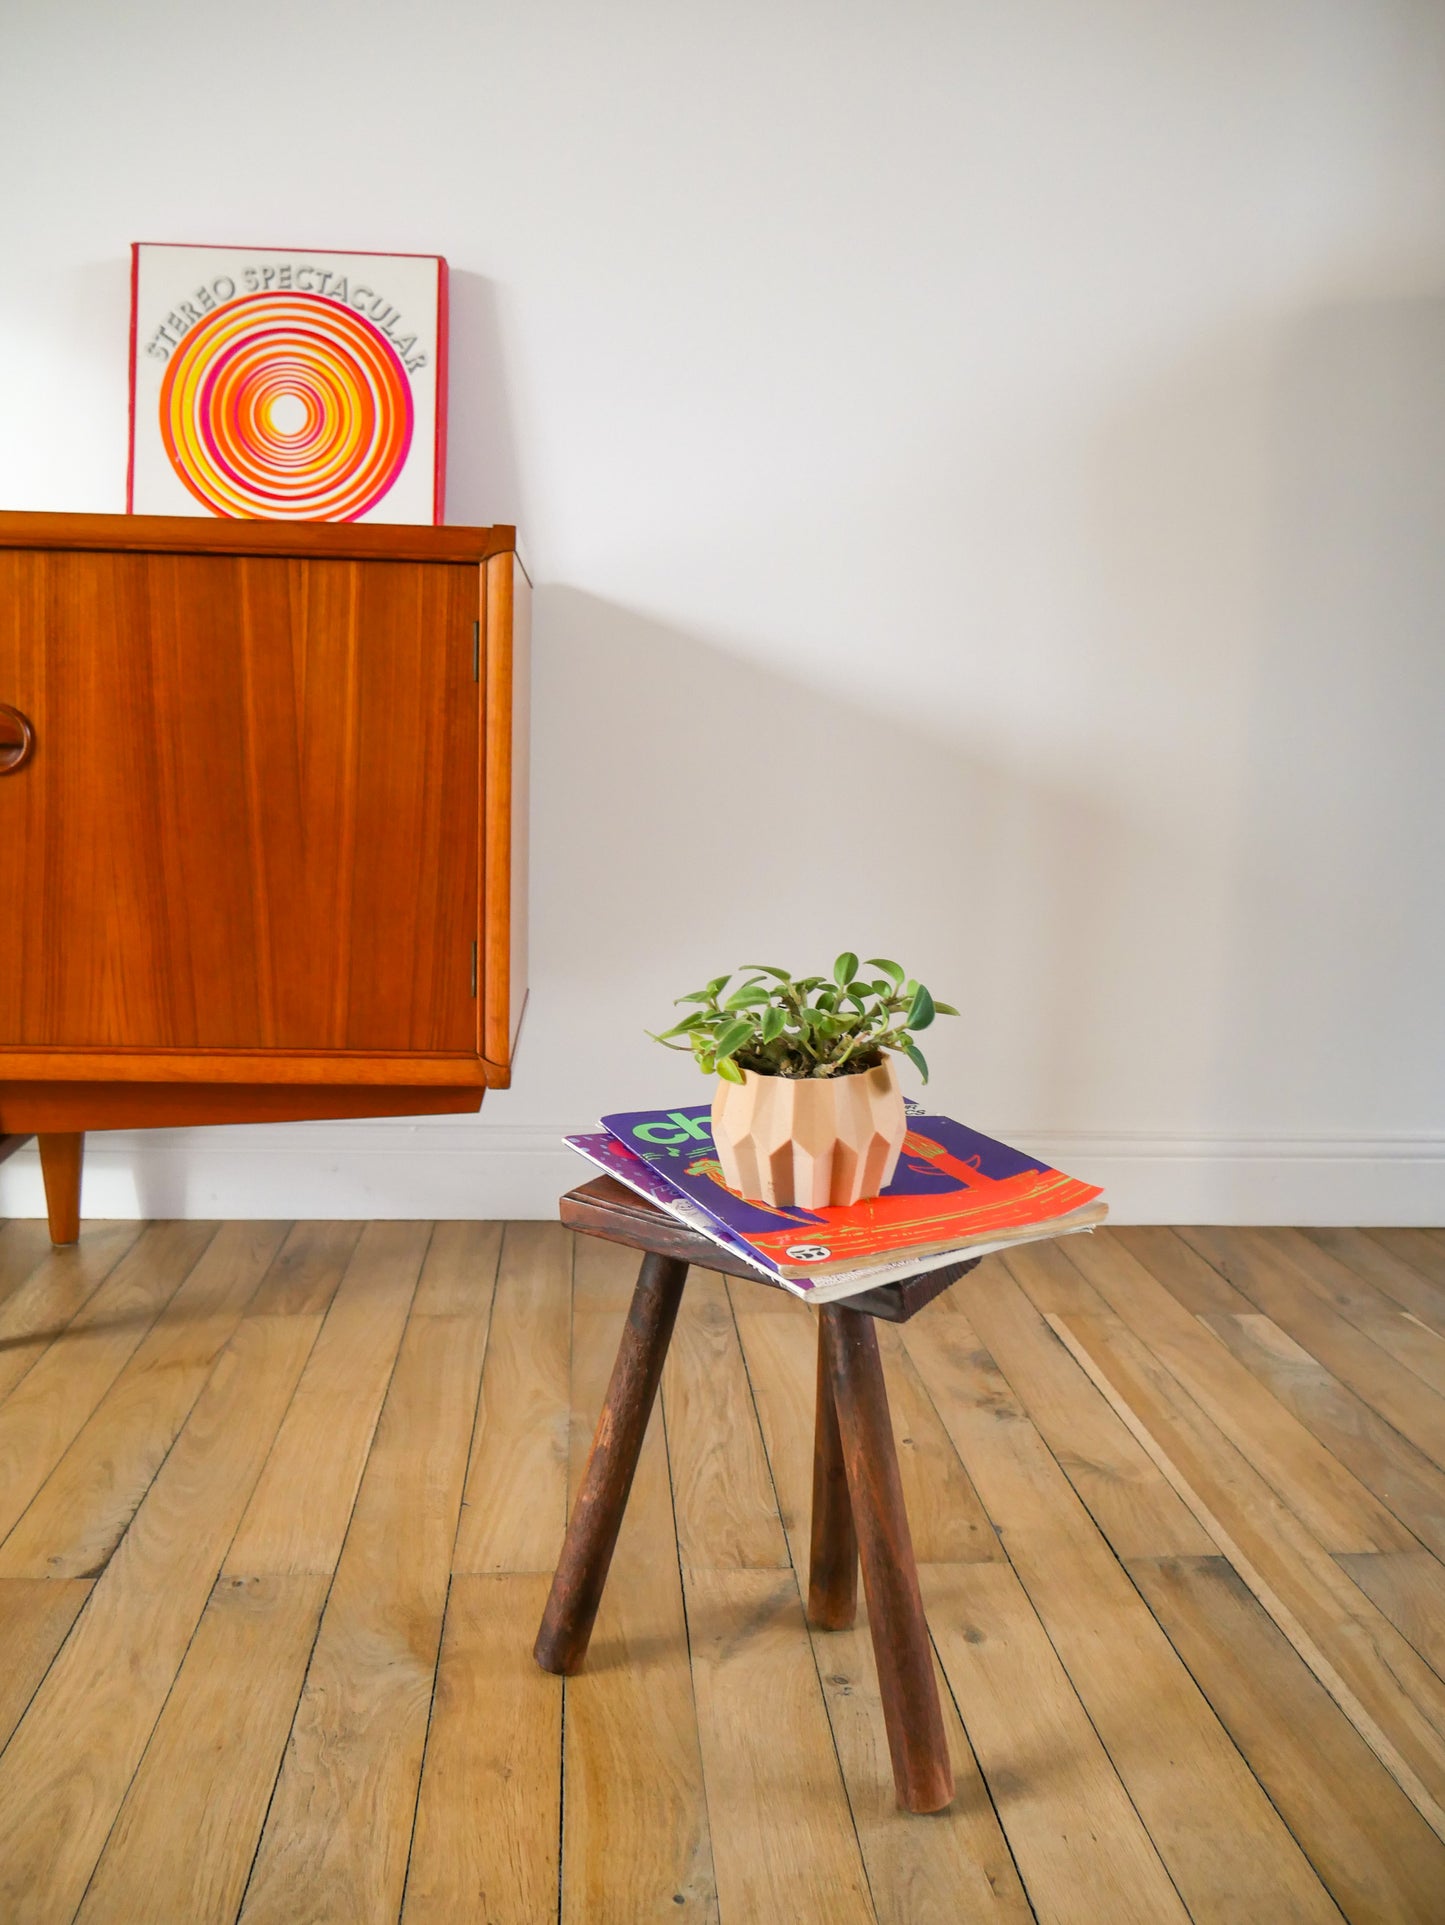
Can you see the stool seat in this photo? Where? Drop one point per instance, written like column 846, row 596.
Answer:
column 608, row 1209
column 858, row 1510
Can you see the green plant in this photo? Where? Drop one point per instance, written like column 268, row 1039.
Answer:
column 814, row 1026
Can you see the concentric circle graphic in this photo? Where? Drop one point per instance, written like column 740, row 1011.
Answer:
column 286, row 408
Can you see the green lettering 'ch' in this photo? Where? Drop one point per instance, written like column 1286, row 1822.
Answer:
column 695, row 1127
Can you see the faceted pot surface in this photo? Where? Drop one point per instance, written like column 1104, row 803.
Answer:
column 810, row 1141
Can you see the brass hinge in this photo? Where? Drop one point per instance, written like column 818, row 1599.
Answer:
column 476, row 651
column 474, row 969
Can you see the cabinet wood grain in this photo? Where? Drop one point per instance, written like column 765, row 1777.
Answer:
column 269, row 831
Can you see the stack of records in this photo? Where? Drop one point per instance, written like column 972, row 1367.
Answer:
column 955, row 1194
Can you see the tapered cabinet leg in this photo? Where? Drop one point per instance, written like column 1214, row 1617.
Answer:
column 597, row 1515
column 901, row 1649
column 833, row 1550
column 60, row 1159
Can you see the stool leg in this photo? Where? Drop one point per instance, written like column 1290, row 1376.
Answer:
column 597, row 1515
column 901, row 1649
column 833, row 1550
column 61, row 1156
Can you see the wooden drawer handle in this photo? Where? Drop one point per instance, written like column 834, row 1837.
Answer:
column 17, row 740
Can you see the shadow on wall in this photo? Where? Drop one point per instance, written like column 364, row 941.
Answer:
column 691, row 810
column 1266, row 538
column 483, row 480
column 1339, row 930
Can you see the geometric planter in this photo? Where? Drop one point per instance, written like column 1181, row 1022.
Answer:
column 810, row 1140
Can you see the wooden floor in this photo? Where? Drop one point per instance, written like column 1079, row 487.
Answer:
column 278, row 1507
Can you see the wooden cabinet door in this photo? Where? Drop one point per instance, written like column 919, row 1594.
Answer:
column 250, row 817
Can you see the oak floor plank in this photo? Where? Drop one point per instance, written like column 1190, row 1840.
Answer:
column 23, row 1242
column 41, row 1306
column 956, row 1867
column 1409, row 1587
column 487, row 1820
column 1183, row 1272
column 604, row 1275
column 183, row 1843
column 308, row 1268
column 1398, row 1474
column 780, row 1353
column 187, row 1737
column 636, row 1844
column 957, row 1862
column 1278, row 1288
column 1135, row 1507
column 1371, row 1847
column 459, row 1276
column 1340, row 1511
column 80, row 1512
column 514, row 1511
column 1423, row 1250
column 727, row 1516
column 1222, row 1841
column 1408, row 1339
column 35, row 1620
column 1391, row 1275
column 784, row 1846
column 1391, row 1695
column 1080, row 1846
column 944, row 1511
column 341, row 1818
column 47, row 1409
column 947, row 1518
column 297, row 1519
column 66, row 1770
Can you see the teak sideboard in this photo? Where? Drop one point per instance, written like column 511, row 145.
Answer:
column 263, row 805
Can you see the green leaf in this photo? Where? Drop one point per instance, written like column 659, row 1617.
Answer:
column 890, row 969
column 944, row 1009
column 695, row 996
column 729, row 1072
column 920, row 1010
column 731, row 1040
column 845, row 969
column 719, row 984
column 748, row 997
column 767, row 969
column 775, row 1021
column 687, row 1024
column 916, row 1057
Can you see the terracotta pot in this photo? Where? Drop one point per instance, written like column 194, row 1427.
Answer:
column 810, row 1140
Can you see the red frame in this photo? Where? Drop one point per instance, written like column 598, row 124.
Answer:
column 439, row 473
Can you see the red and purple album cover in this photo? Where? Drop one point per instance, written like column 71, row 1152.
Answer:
column 953, row 1188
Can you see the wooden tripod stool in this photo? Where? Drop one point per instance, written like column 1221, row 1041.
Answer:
column 857, row 1495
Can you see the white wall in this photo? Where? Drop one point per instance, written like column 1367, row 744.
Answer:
column 984, row 472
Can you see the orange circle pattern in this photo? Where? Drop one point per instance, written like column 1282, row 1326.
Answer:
column 286, row 408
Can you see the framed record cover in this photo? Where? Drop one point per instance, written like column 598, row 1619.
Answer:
column 287, row 384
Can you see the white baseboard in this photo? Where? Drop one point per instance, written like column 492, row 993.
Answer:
column 473, row 1170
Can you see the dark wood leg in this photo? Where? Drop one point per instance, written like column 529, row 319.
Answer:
column 833, row 1551
column 597, row 1515
column 901, row 1648
column 60, row 1160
